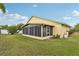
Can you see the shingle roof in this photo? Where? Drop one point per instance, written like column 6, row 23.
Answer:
column 49, row 20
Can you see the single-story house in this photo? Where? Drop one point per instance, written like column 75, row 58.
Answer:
column 41, row 28
column 4, row 32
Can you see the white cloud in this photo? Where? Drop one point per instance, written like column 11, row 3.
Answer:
column 25, row 21
column 35, row 5
column 75, row 13
column 67, row 17
column 17, row 16
column 12, row 18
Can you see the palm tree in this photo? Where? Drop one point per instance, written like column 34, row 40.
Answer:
column 2, row 7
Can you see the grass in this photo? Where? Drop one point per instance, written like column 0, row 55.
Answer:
column 18, row 45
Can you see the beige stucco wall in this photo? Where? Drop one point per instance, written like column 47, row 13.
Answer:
column 57, row 29
column 64, row 30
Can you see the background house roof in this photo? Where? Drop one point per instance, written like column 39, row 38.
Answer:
column 4, row 32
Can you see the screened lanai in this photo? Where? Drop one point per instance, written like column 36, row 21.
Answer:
column 38, row 30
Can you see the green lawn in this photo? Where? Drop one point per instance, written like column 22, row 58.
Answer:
column 19, row 45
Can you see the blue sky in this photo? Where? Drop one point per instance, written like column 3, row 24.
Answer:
column 21, row 12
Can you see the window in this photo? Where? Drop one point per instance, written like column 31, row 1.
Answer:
column 35, row 30
column 44, row 30
column 48, row 30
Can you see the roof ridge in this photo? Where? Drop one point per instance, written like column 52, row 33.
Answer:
column 53, row 21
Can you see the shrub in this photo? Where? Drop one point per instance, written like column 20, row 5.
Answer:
column 12, row 29
column 71, row 31
column 56, row 36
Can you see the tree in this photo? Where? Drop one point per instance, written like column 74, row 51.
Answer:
column 77, row 27
column 19, row 26
column 12, row 29
column 4, row 26
column 71, row 31
column 2, row 7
